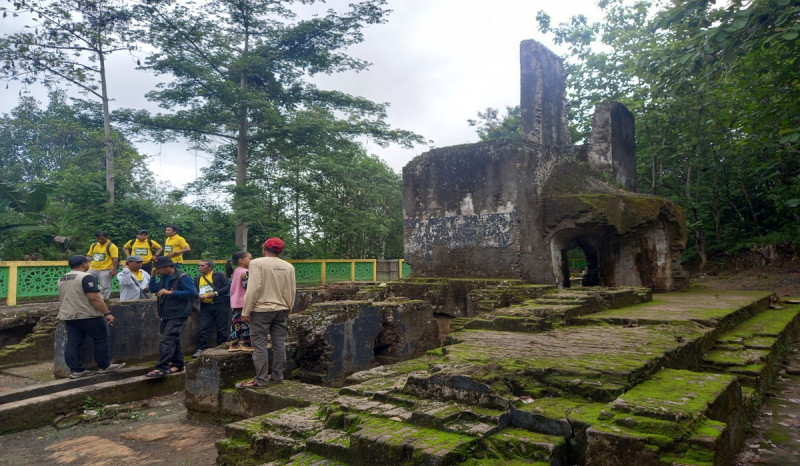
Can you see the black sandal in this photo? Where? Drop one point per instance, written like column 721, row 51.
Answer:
column 157, row 373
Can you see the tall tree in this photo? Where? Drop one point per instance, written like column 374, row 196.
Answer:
column 70, row 44
column 240, row 70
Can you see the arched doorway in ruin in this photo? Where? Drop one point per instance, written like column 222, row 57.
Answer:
column 576, row 244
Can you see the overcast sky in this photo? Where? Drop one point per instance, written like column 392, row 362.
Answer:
column 436, row 62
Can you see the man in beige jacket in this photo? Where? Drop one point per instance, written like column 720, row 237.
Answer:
column 267, row 303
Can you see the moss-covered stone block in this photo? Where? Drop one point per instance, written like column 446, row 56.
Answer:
column 514, row 444
column 383, row 441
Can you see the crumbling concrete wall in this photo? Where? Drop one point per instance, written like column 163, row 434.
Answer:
column 331, row 340
column 513, row 208
column 612, row 145
column 542, row 95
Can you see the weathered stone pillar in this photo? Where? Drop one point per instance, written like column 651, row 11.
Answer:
column 612, row 147
column 542, row 95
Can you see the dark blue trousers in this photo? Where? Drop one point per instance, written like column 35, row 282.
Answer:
column 97, row 329
column 216, row 315
column 169, row 350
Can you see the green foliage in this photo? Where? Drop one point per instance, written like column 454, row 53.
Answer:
column 239, row 75
column 67, row 42
column 490, row 126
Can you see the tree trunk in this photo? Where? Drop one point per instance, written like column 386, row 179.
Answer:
column 241, row 160
column 749, row 204
column 716, row 211
column 107, row 130
column 700, row 239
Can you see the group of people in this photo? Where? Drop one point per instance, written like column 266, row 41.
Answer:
column 259, row 292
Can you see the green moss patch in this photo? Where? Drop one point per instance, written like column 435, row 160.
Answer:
column 519, row 444
column 706, row 306
column 676, row 395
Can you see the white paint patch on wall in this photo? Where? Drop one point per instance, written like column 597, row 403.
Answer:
column 466, row 205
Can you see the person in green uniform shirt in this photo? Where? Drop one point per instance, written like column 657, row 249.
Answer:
column 105, row 261
column 143, row 247
column 175, row 246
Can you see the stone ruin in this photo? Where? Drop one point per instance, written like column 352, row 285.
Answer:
column 522, row 373
column 513, row 208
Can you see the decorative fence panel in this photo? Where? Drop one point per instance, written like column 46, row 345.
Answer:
column 4, row 281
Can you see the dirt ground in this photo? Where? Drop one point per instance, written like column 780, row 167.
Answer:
column 154, row 431
column 157, row 431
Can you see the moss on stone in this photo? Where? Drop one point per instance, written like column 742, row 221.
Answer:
column 674, row 394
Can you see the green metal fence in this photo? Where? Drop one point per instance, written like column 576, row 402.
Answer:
column 40, row 278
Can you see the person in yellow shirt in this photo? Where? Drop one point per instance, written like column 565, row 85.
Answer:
column 105, row 260
column 143, row 247
column 175, row 246
column 215, row 305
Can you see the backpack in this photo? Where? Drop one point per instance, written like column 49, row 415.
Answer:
column 108, row 247
column 195, row 301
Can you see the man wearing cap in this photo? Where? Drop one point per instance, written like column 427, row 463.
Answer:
column 134, row 282
column 143, row 247
column 84, row 312
column 215, row 305
column 267, row 302
column 105, row 260
column 175, row 293
column 175, row 245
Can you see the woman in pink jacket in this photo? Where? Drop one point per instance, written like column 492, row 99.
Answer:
column 240, row 331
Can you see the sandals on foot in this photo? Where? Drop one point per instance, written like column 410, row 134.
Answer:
column 175, row 370
column 249, row 384
column 157, row 373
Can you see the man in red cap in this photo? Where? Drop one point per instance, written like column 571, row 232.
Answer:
column 267, row 303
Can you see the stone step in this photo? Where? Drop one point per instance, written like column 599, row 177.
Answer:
column 706, row 307
column 306, row 459
column 447, row 416
column 244, row 402
column 384, row 441
column 488, row 299
column 54, row 386
column 555, row 308
column 40, row 410
column 754, row 349
column 667, row 416
column 268, row 437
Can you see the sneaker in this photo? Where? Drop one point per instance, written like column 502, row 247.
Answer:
column 197, row 353
column 112, row 368
column 78, row 375
column 247, row 348
column 234, row 348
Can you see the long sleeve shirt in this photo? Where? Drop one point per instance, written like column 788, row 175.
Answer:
column 237, row 288
column 184, row 290
column 129, row 286
column 270, row 286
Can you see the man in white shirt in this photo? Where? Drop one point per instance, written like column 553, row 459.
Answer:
column 134, row 283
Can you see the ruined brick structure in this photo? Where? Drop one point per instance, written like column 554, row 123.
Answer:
column 513, row 208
